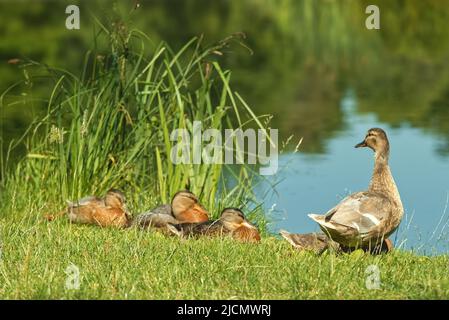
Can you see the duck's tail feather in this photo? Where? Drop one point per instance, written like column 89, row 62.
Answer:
column 316, row 217
column 321, row 220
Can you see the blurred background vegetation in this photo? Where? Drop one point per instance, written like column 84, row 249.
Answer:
column 300, row 56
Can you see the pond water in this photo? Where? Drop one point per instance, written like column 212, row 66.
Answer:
column 315, row 183
column 315, row 67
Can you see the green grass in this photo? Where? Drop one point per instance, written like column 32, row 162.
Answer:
column 110, row 127
column 131, row 264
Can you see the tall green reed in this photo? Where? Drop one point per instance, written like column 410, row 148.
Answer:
column 111, row 127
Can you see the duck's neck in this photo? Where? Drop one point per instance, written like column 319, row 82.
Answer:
column 382, row 180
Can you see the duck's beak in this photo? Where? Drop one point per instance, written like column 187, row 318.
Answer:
column 361, row 145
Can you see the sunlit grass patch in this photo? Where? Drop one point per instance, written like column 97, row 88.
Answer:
column 131, row 264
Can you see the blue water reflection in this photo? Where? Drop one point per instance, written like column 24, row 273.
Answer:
column 315, row 183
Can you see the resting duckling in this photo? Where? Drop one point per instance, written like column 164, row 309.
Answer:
column 105, row 212
column 365, row 219
column 184, row 208
column 319, row 242
column 232, row 222
column 316, row 242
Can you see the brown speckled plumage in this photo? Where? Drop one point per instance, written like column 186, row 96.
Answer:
column 109, row 211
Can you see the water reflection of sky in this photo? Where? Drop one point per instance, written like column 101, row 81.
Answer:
column 315, row 183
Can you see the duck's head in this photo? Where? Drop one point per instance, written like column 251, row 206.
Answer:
column 377, row 140
column 186, row 208
column 233, row 219
column 115, row 198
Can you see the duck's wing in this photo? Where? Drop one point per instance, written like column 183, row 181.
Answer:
column 362, row 211
column 90, row 200
column 157, row 218
column 162, row 209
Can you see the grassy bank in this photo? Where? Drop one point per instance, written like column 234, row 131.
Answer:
column 110, row 126
column 129, row 264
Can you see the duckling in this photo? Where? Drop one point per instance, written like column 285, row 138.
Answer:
column 184, row 208
column 316, row 242
column 105, row 212
column 319, row 242
column 365, row 219
column 232, row 222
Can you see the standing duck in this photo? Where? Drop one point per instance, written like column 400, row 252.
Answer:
column 184, row 208
column 365, row 219
column 105, row 212
column 232, row 222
